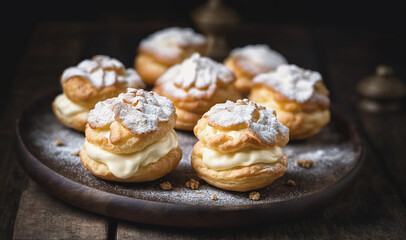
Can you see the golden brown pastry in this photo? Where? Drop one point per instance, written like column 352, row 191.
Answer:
column 298, row 96
column 89, row 82
column 195, row 86
column 251, row 60
column 130, row 138
column 240, row 146
column 165, row 48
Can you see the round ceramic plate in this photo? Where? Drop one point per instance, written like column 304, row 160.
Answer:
column 336, row 153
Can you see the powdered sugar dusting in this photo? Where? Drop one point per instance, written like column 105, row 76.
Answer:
column 292, row 81
column 266, row 126
column 196, row 76
column 334, row 156
column 138, row 110
column 103, row 71
column 169, row 42
column 257, row 59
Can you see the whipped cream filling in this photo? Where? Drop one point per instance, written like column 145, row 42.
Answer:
column 213, row 131
column 66, row 107
column 220, row 161
column 126, row 165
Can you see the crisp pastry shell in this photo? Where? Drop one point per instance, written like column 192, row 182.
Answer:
column 80, row 91
column 243, row 78
column 303, row 125
column 241, row 179
column 191, row 109
column 149, row 69
column 186, row 120
column 225, row 143
column 304, row 120
column 122, row 141
column 151, row 66
column 146, row 173
column 77, row 121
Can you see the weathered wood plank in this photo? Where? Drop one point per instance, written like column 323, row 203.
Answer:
column 41, row 216
column 127, row 231
column 44, row 52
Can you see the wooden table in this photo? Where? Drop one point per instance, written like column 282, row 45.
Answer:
column 373, row 208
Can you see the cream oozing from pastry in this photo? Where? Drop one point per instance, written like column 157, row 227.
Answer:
column 103, row 71
column 219, row 161
column 210, row 131
column 292, row 81
column 126, row 165
column 66, row 107
column 169, row 42
column 258, row 58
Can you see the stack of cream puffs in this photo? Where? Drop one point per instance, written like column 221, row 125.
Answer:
column 130, row 138
column 165, row 48
column 89, row 82
column 194, row 86
column 240, row 146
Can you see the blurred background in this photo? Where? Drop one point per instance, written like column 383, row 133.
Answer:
column 380, row 25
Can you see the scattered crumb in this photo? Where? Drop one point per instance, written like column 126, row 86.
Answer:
column 305, row 163
column 166, row 186
column 58, row 142
column 254, row 196
column 192, row 184
column 198, row 192
column 76, row 153
column 290, row 182
column 178, row 195
column 213, row 197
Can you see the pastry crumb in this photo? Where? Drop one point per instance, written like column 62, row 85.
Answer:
column 76, row 153
column 213, row 197
column 178, row 195
column 166, row 186
column 58, row 142
column 192, row 184
column 198, row 192
column 254, row 196
column 304, row 163
column 290, row 182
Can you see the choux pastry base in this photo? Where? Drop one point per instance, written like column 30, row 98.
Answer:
column 147, row 173
column 240, row 179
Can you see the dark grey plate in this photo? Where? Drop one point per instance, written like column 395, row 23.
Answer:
column 337, row 154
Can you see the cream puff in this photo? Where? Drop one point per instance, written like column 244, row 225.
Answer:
column 89, row 82
column 299, row 97
column 165, row 48
column 130, row 138
column 251, row 60
column 195, row 86
column 240, row 146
